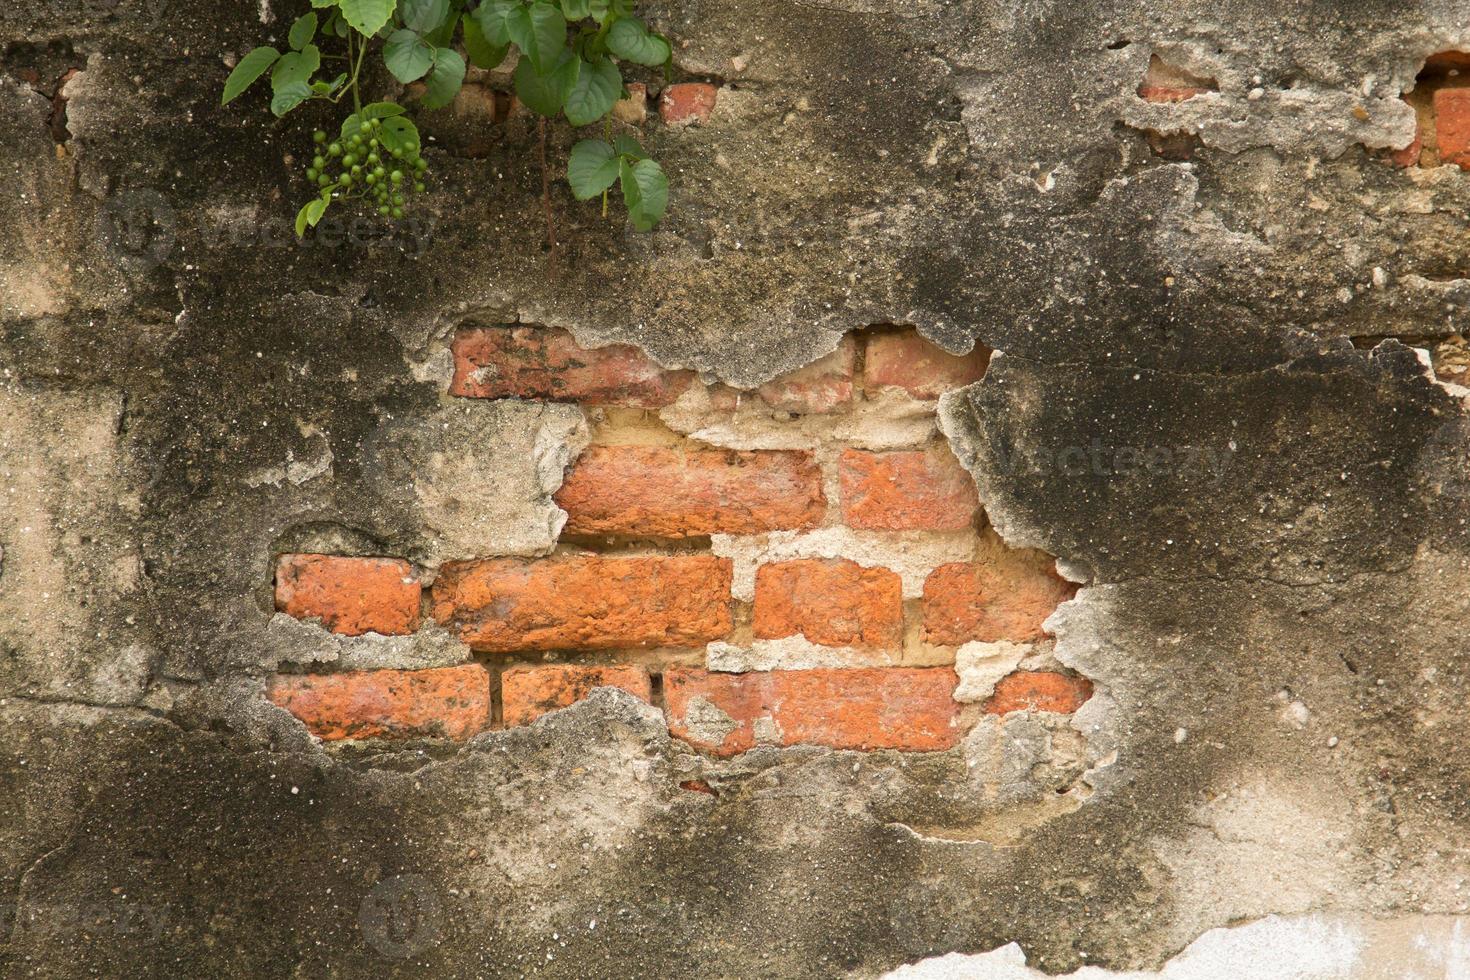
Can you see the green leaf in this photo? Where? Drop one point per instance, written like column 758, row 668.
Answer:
column 301, row 219
column 407, row 56
column 598, row 86
column 444, row 81
column 547, row 93
column 598, row 10
column 493, row 16
column 591, row 169
column 443, row 35
column 367, row 16
column 382, row 110
column 251, row 67
column 399, row 133
column 286, row 97
column 302, row 31
column 483, row 54
column 296, row 67
column 576, row 9
column 627, row 146
column 645, row 192
column 319, row 4
column 423, row 15
column 630, row 40
column 539, row 31
column 311, row 212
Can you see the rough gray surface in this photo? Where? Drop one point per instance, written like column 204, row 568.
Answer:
column 1275, row 626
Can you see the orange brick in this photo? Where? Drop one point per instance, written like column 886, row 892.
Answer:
column 926, row 371
column 908, row 708
column 585, row 603
column 1169, row 93
column 965, row 602
column 687, row 103
column 676, row 493
column 530, row 692
column 536, row 363
column 822, row 386
column 1452, row 123
column 835, row 603
column 906, row 491
column 1039, row 690
column 445, row 702
column 349, row 595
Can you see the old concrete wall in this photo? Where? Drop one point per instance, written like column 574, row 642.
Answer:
column 1271, row 615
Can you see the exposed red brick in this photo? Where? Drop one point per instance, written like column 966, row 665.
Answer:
column 836, row 603
column 906, row 491
column 1452, row 122
column 698, row 786
column 965, row 602
column 821, row 386
column 532, row 362
column 925, row 370
column 1170, row 83
column 909, row 708
column 1169, row 93
column 585, row 603
column 677, row 493
column 1039, row 690
column 350, row 595
column 1409, row 155
column 530, row 692
column 687, row 103
column 444, row 702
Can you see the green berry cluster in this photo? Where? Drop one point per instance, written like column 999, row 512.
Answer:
column 361, row 166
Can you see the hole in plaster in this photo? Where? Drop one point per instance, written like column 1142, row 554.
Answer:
column 1440, row 99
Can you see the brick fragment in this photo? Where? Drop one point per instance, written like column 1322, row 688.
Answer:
column 349, row 595
column 1039, row 690
column 990, row 602
column 1169, row 83
column 537, row 363
column 1169, row 93
column 674, row 493
column 527, row 693
column 444, row 702
column 687, row 103
column 925, row 370
column 907, row 708
column 503, row 605
column 906, row 491
column 832, row 602
column 1452, row 123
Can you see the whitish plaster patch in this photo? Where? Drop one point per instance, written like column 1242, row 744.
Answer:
column 792, row 653
column 1308, row 947
column 912, row 556
column 982, row 665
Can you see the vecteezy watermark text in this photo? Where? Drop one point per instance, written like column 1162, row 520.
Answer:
column 1099, row 459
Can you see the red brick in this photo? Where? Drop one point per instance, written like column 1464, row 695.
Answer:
column 530, row 692
column 1169, row 93
column 1409, row 155
column 1452, row 123
column 585, row 603
column 538, row 363
column 349, row 595
column 906, row 491
column 836, row 603
column 687, row 103
column 1039, row 690
column 676, row 493
column 908, row 708
column 821, row 386
column 445, row 702
column 926, row 371
column 965, row 602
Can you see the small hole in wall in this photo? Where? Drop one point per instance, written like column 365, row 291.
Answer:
column 1119, row 44
column 1440, row 99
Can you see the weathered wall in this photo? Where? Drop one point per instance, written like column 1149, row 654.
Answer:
column 1188, row 407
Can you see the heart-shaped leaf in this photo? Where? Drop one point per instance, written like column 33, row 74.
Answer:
column 591, row 169
column 598, row 86
column 444, row 81
column 407, row 56
column 251, row 67
column 547, row 93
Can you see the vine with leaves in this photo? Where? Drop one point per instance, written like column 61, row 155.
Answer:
column 570, row 54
